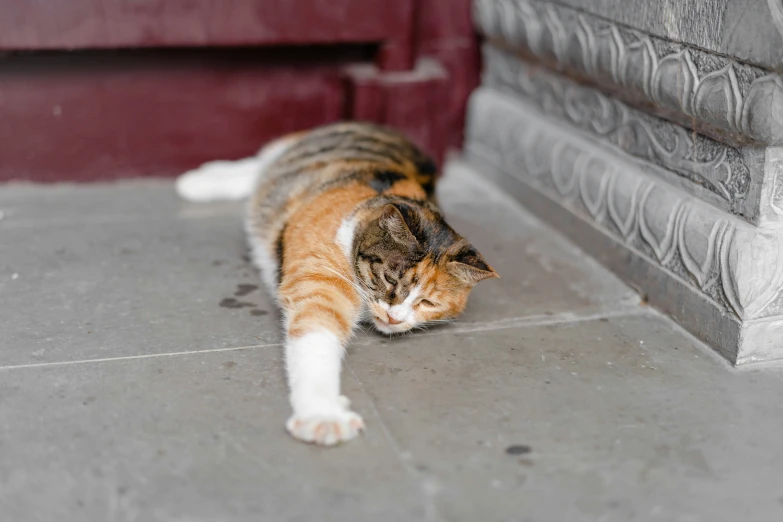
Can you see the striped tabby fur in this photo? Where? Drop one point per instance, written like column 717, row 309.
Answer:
column 342, row 221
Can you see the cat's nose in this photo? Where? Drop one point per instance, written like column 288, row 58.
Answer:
column 392, row 320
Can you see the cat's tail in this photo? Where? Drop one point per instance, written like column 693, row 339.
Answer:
column 229, row 180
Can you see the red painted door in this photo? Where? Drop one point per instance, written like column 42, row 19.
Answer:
column 98, row 89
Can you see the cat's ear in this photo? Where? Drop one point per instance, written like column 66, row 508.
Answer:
column 469, row 266
column 391, row 221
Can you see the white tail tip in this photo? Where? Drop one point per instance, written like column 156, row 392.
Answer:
column 219, row 180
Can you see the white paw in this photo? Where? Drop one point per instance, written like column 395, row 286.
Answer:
column 326, row 429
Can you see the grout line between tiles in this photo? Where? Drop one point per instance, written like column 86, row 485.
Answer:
column 432, row 512
column 520, row 322
column 133, row 357
column 543, row 320
column 457, row 328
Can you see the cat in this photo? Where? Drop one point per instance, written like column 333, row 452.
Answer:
column 343, row 223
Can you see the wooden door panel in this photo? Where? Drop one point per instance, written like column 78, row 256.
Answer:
column 98, row 89
column 108, row 116
column 101, row 24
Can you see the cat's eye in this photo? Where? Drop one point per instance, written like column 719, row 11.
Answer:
column 390, row 280
column 427, row 303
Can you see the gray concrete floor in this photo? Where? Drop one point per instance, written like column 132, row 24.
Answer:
column 141, row 380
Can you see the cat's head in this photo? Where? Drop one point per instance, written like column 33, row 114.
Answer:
column 414, row 268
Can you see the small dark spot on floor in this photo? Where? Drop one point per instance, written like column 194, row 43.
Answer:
column 258, row 313
column 122, row 490
column 433, row 371
column 160, row 370
column 604, row 319
column 218, row 262
column 229, row 364
column 230, row 302
column 246, row 258
column 518, row 449
column 89, row 400
column 526, row 462
column 244, row 289
column 548, row 312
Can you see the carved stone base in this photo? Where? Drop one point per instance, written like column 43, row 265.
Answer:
column 716, row 274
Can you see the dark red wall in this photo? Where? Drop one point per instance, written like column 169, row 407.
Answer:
column 95, row 91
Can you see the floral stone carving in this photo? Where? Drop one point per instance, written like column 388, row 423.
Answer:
column 736, row 268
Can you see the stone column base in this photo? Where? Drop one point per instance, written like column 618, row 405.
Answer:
column 716, row 274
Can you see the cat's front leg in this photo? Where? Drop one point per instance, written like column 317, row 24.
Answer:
column 321, row 414
column 321, row 311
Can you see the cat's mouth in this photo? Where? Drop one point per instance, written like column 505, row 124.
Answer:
column 391, row 327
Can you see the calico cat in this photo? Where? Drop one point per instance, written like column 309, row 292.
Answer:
column 343, row 223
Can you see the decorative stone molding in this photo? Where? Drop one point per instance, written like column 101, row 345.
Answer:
column 721, row 169
column 664, row 161
column 776, row 12
column 741, row 29
column 729, row 272
column 733, row 102
column 776, row 201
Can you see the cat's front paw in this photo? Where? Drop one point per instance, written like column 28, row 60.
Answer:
column 326, row 429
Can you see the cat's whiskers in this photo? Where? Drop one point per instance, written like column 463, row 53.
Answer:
column 359, row 327
column 434, row 322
